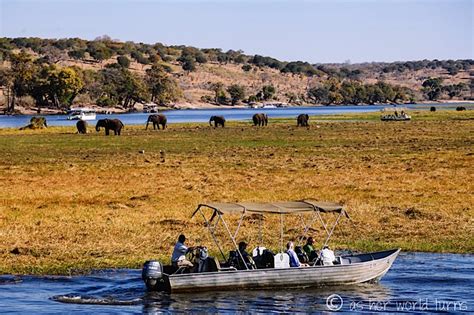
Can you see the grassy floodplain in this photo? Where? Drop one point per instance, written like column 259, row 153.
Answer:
column 72, row 202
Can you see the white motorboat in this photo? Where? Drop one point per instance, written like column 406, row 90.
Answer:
column 210, row 274
column 81, row 114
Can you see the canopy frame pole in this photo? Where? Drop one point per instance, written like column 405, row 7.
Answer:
column 281, row 232
column 306, row 226
column 322, row 222
column 238, row 226
column 332, row 230
column 208, row 224
column 260, row 234
column 233, row 241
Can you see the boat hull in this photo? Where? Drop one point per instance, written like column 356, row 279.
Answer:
column 354, row 269
column 395, row 118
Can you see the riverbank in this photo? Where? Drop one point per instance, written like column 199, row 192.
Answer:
column 72, row 202
column 21, row 110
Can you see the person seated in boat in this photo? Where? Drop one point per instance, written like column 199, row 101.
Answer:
column 294, row 261
column 178, row 258
column 246, row 256
column 309, row 249
column 303, row 258
column 327, row 256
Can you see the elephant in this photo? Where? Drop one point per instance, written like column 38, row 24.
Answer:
column 432, row 109
column 157, row 120
column 302, row 120
column 218, row 120
column 81, row 126
column 115, row 124
column 260, row 119
column 35, row 123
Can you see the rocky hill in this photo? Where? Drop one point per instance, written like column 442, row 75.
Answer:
column 184, row 76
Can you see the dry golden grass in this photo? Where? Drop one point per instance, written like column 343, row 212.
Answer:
column 71, row 202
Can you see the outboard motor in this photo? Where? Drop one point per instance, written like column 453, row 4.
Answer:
column 152, row 274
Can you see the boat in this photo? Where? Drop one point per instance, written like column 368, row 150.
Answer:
column 394, row 115
column 226, row 275
column 150, row 108
column 269, row 106
column 81, row 114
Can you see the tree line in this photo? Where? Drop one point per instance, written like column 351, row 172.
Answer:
column 103, row 48
column 53, row 86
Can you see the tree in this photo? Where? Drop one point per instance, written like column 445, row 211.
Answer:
column 246, row 67
column 122, row 87
column 432, row 88
column 319, row 95
column 123, row 61
column 77, row 54
column 219, row 93
column 291, row 97
column 162, row 87
column 138, row 56
column 65, row 84
column 237, row 93
column 56, row 86
column 200, row 57
column 188, row 64
column 222, row 58
column 455, row 90
column 6, row 80
column 98, row 50
column 268, row 91
column 22, row 73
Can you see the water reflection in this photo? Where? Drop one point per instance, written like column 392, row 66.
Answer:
column 299, row 300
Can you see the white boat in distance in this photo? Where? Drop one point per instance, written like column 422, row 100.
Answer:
column 275, row 272
column 81, row 114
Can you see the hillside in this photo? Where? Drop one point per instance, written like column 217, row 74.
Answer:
column 190, row 77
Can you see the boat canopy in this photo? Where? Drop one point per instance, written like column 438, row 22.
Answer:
column 281, row 208
column 286, row 207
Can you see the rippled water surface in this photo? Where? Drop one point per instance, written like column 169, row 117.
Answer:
column 416, row 282
column 202, row 115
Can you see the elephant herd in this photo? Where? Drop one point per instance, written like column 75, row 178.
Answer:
column 115, row 125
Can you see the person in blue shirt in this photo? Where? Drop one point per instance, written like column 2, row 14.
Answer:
column 178, row 259
column 294, row 261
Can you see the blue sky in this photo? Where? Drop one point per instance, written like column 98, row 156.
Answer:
column 314, row 31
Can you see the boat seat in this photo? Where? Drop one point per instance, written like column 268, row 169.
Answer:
column 219, row 268
column 344, row 261
column 282, row 260
column 258, row 251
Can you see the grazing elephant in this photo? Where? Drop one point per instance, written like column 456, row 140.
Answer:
column 460, row 108
column 432, row 109
column 218, row 120
column 115, row 124
column 35, row 123
column 157, row 120
column 260, row 119
column 302, row 120
column 81, row 126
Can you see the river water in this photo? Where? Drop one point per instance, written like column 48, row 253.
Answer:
column 417, row 282
column 202, row 115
